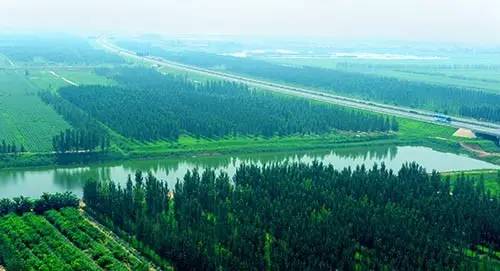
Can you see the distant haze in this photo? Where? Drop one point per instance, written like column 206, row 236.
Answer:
column 470, row 21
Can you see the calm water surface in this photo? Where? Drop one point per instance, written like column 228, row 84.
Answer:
column 33, row 182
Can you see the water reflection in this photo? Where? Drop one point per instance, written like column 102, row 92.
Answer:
column 34, row 182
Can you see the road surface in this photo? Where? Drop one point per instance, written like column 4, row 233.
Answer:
column 421, row 115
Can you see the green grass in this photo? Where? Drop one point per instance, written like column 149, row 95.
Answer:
column 439, row 77
column 41, row 123
column 24, row 118
column 44, row 80
column 420, row 71
column 416, row 129
column 441, row 137
column 246, row 144
column 85, row 76
column 411, row 133
column 81, row 76
column 491, row 178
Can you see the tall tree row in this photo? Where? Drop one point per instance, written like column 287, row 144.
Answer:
column 445, row 98
column 11, row 148
column 152, row 106
column 86, row 135
column 80, row 140
column 305, row 217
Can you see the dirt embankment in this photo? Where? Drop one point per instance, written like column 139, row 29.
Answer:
column 477, row 150
column 466, row 133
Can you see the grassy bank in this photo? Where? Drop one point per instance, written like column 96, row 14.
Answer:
column 411, row 133
column 188, row 146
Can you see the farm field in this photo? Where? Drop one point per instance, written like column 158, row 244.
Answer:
column 24, row 118
column 53, row 78
column 46, row 75
column 53, row 49
column 28, row 67
column 85, row 76
column 410, row 132
column 63, row 240
column 249, row 135
column 471, row 76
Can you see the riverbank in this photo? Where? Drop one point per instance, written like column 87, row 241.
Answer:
column 411, row 133
column 187, row 147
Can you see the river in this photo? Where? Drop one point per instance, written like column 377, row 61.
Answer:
column 33, row 182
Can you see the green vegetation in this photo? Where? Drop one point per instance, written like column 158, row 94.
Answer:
column 61, row 240
column 85, row 76
column 491, row 178
column 307, row 217
column 52, row 79
column 11, row 148
column 410, row 132
column 56, row 236
column 29, row 242
column 156, row 106
column 53, row 49
column 33, row 64
column 466, row 73
column 24, row 118
column 297, row 127
column 439, row 97
column 79, row 141
column 21, row 205
column 63, row 101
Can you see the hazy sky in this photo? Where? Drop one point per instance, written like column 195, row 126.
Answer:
column 441, row 20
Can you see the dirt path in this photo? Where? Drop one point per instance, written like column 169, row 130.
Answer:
column 477, row 150
column 64, row 79
column 118, row 240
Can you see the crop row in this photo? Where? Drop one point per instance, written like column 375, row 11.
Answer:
column 29, row 242
column 61, row 240
column 107, row 254
column 119, row 252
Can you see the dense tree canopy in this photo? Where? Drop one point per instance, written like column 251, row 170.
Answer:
column 80, row 141
column 46, row 202
column 87, row 135
column 305, row 217
column 11, row 148
column 54, row 48
column 384, row 89
column 154, row 106
column 481, row 112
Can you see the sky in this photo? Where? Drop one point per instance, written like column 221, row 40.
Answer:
column 470, row 21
